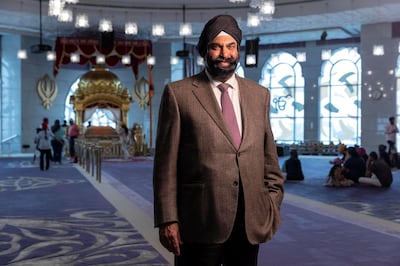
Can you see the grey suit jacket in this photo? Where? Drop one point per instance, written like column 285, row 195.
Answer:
column 197, row 168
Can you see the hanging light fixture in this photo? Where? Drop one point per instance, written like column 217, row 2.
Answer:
column 22, row 54
column 82, row 21
column 158, row 29
column 100, row 59
column 51, row 56
column 105, row 25
column 174, row 60
column 65, row 16
column 75, row 57
column 131, row 28
column 126, row 59
column 253, row 20
column 151, row 60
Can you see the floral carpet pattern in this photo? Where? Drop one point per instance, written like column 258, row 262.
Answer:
column 56, row 217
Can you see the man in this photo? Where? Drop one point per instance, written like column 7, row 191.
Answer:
column 217, row 185
column 391, row 130
column 73, row 133
column 378, row 173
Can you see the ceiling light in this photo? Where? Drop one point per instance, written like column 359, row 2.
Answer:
column 158, row 30
column 256, row 3
column 100, row 59
column 71, row 1
column 174, row 60
column 55, row 7
column 253, row 20
column 185, row 29
column 105, row 25
column 268, row 7
column 82, row 21
column 51, row 56
column 126, row 59
column 65, row 16
column 131, row 28
column 75, row 57
column 22, row 54
column 151, row 60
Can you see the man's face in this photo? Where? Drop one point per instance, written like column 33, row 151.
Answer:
column 222, row 57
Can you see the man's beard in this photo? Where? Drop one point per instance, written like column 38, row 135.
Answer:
column 218, row 72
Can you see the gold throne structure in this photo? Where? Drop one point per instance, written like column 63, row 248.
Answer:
column 100, row 88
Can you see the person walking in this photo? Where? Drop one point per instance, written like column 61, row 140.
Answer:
column 73, row 133
column 57, row 141
column 43, row 143
column 217, row 183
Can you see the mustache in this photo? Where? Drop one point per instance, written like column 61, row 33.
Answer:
column 226, row 60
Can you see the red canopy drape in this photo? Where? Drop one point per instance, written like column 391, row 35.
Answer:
column 88, row 49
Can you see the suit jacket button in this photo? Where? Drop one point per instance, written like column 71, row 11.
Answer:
column 235, row 183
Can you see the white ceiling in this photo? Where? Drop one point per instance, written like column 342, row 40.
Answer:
column 294, row 20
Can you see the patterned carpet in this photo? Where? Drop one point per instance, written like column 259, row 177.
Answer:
column 57, row 217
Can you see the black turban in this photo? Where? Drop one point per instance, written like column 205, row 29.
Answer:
column 214, row 26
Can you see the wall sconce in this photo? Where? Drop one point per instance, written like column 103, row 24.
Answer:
column 65, row 16
column 378, row 50
column 251, row 56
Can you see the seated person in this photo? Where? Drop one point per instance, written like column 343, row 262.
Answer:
column 378, row 173
column 335, row 176
column 354, row 167
column 292, row 167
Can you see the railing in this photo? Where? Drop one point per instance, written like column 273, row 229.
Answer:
column 89, row 158
column 8, row 142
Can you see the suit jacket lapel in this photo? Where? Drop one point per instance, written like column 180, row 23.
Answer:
column 203, row 92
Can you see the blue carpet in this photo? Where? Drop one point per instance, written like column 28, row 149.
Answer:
column 57, row 217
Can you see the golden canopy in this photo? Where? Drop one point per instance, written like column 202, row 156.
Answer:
column 100, row 88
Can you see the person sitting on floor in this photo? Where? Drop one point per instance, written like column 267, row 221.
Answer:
column 291, row 168
column 354, row 167
column 378, row 173
column 335, row 176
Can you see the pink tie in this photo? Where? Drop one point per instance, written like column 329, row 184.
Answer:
column 229, row 114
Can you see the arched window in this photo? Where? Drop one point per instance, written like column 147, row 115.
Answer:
column 340, row 98
column 282, row 74
column 100, row 117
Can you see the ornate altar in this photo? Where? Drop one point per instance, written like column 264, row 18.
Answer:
column 100, row 88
